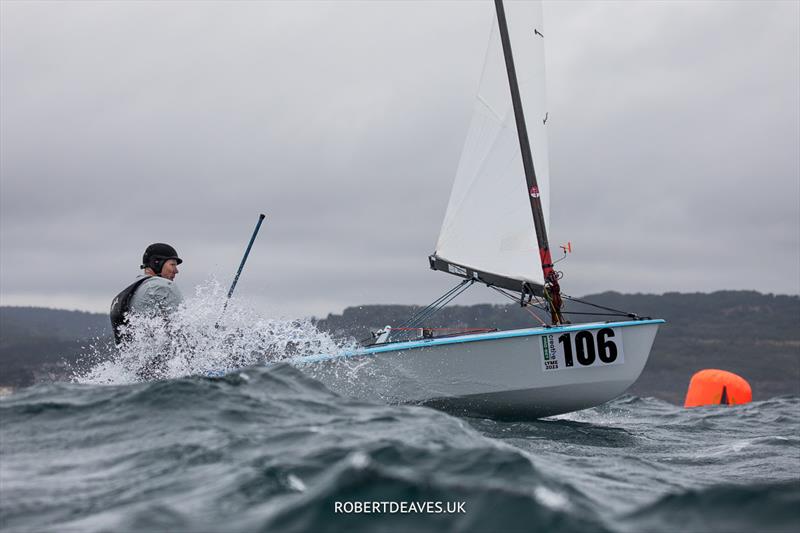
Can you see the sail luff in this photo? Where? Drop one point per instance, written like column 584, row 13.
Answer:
column 525, row 147
column 552, row 290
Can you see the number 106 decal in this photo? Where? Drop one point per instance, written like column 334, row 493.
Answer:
column 581, row 349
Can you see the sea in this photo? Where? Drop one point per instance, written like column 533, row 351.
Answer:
column 261, row 446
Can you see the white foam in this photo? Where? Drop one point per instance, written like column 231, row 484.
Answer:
column 550, row 498
column 296, row 483
column 200, row 339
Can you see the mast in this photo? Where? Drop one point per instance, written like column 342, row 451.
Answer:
column 552, row 290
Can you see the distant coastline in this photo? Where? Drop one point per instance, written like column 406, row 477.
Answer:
column 755, row 335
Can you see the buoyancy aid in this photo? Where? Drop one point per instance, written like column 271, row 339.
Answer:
column 121, row 305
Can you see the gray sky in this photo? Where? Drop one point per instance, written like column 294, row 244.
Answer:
column 674, row 134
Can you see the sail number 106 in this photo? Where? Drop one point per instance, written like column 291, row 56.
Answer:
column 587, row 348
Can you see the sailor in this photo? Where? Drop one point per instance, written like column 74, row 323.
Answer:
column 152, row 294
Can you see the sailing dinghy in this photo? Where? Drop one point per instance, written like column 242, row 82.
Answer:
column 495, row 233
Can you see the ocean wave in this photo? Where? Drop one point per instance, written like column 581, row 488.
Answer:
column 724, row 508
column 239, row 446
column 268, row 448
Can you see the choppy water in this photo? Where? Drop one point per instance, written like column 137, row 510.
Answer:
column 268, row 449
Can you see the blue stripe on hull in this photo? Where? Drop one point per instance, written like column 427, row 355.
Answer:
column 477, row 337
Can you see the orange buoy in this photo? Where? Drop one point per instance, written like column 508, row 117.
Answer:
column 717, row 387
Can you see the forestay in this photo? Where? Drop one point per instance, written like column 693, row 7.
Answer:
column 488, row 226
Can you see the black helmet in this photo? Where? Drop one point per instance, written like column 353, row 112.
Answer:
column 157, row 254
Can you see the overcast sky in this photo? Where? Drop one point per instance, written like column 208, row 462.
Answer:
column 674, row 134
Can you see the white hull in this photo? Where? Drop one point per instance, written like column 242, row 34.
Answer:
column 499, row 374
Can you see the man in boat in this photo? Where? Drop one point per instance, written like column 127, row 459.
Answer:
column 152, row 294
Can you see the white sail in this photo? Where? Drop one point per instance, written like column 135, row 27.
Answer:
column 488, row 225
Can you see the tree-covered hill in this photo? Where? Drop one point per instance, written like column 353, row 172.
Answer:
column 752, row 334
column 38, row 343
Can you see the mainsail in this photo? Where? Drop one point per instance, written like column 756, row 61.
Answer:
column 488, row 230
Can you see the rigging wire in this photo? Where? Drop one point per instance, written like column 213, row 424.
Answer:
column 432, row 308
column 594, row 314
column 425, row 310
column 433, row 304
column 437, row 305
column 538, row 304
column 514, row 299
column 544, row 307
column 616, row 312
column 460, row 288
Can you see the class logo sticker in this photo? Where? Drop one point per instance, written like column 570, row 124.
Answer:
column 549, row 352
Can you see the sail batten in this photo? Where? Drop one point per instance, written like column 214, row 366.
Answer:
column 488, row 226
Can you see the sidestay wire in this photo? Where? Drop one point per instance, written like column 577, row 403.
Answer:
column 424, row 314
column 435, row 306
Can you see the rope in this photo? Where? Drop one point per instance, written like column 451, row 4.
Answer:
column 437, row 305
column 441, row 329
column 432, row 309
column 514, row 299
column 435, row 302
column 616, row 312
column 595, row 314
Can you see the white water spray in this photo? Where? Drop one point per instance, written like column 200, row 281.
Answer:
column 197, row 340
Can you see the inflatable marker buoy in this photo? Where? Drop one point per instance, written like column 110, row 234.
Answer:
column 717, row 387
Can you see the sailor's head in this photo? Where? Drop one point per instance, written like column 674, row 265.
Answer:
column 161, row 259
